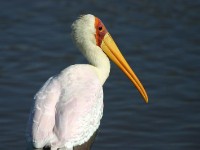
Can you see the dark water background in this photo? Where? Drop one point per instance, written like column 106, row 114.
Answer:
column 160, row 40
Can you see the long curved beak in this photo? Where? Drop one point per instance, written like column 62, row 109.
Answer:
column 110, row 48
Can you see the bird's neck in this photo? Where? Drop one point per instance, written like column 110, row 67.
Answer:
column 98, row 59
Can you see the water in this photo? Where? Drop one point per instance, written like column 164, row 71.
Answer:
column 160, row 40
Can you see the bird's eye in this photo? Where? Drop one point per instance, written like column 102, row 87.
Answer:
column 100, row 28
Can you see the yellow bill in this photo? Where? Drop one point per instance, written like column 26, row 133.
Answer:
column 110, row 48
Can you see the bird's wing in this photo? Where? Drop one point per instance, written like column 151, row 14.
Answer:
column 79, row 109
column 67, row 109
column 42, row 116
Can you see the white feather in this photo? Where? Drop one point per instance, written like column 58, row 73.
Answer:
column 69, row 107
column 83, row 35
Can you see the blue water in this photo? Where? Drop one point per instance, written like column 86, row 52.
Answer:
column 160, row 40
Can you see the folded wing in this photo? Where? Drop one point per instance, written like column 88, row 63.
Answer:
column 42, row 116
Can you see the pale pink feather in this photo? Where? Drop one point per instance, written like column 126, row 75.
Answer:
column 67, row 109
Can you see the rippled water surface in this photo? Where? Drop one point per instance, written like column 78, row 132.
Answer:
column 160, row 40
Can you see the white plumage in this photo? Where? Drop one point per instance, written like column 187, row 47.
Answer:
column 67, row 110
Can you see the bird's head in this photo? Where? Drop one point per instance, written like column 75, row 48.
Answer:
column 89, row 30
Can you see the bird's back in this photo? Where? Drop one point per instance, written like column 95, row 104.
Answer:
column 67, row 109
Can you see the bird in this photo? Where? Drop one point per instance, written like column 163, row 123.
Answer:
column 67, row 110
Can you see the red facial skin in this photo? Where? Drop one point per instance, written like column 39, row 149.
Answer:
column 100, row 31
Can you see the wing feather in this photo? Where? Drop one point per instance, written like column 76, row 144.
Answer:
column 42, row 116
column 67, row 109
column 80, row 107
